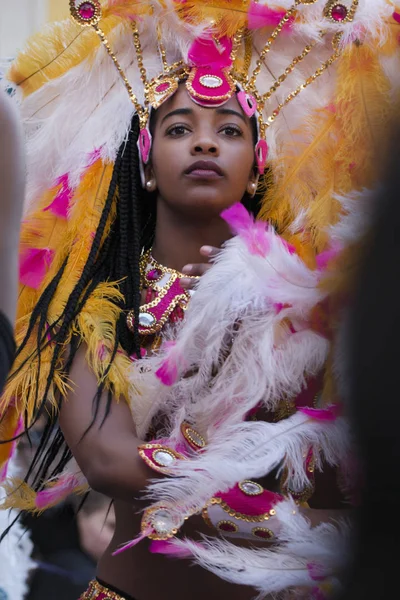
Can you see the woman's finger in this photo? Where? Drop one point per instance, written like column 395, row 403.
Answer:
column 209, row 251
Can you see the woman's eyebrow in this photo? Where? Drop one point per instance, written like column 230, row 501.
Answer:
column 178, row 111
column 230, row 111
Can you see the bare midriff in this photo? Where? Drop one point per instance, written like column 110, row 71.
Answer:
column 147, row 576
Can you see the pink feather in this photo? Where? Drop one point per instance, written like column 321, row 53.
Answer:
column 255, row 234
column 133, row 542
column 328, row 414
column 204, row 52
column 316, row 571
column 50, row 496
column 396, row 17
column 324, row 258
column 169, row 549
column 260, row 16
column 60, row 204
column 168, row 372
column 33, row 266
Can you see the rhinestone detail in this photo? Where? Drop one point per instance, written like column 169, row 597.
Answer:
column 146, row 319
column 339, row 12
column 87, row 11
column 163, row 458
column 251, row 488
column 211, row 81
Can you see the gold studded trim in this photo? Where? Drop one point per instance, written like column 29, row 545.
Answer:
column 96, row 590
column 147, row 522
column 256, row 530
column 220, row 525
column 188, row 431
column 198, row 96
column 152, row 462
column 234, row 514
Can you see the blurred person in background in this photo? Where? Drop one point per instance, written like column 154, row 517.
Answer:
column 69, row 540
column 15, row 562
column 373, row 364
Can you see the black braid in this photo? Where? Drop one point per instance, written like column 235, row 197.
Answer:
column 115, row 258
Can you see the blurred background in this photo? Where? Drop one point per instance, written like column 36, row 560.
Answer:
column 67, row 541
column 20, row 18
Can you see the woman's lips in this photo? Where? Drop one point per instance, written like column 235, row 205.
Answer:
column 204, row 174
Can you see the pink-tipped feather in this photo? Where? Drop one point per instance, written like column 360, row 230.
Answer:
column 254, row 233
column 328, row 414
column 260, row 16
column 33, row 266
column 56, row 493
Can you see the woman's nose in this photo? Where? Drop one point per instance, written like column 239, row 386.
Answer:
column 205, row 144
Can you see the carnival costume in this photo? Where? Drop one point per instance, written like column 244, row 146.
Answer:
column 321, row 78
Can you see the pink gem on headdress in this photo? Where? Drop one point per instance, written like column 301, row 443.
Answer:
column 261, row 155
column 228, row 526
column 162, row 87
column 339, row 13
column 87, row 10
column 248, row 103
column 145, row 144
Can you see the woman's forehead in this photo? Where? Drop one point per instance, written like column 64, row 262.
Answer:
column 182, row 99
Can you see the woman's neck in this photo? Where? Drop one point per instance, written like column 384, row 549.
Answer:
column 178, row 238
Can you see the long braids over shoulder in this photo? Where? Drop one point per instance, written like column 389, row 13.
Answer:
column 114, row 258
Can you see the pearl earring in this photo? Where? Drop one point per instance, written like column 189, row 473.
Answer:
column 149, row 185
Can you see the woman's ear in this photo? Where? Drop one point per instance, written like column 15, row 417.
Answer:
column 150, row 179
column 253, row 183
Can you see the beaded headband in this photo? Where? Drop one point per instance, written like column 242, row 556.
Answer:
column 216, row 68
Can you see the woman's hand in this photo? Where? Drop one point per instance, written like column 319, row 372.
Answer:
column 197, row 270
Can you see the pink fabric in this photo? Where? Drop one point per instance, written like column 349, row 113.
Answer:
column 145, row 145
column 260, row 16
column 33, row 266
column 205, row 52
column 248, row 103
column 212, row 94
column 250, row 505
column 254, row 233
column 261, row 155
column 396, row 17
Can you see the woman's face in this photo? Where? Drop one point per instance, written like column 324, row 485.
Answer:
column 202, row 158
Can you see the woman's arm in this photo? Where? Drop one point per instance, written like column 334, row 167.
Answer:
column 108, row 452
column 12, row 188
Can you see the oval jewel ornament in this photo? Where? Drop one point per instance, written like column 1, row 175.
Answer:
column 251, row 488
column 163, row 458
column 146, row 320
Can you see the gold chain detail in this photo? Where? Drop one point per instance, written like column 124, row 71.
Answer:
column 287, row 72
column 307, row 82
column 139, row 54
column 142, row 113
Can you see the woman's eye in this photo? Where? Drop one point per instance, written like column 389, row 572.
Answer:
column 232, row 130
column 177, row 130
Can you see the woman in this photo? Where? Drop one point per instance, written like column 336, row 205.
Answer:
column 101, row 264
